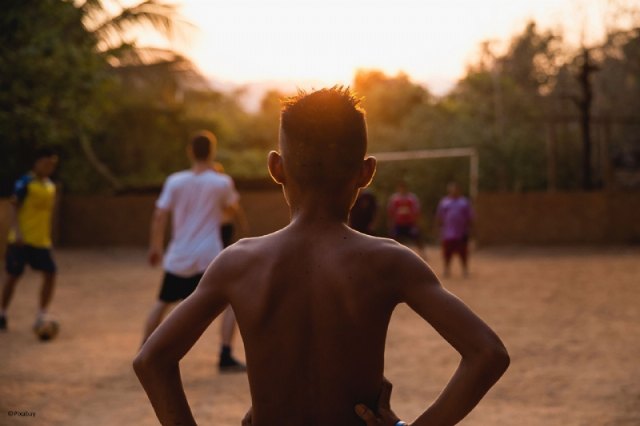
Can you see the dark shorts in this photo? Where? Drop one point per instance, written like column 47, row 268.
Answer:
column 18, row 256
column 226, row 233
column 406, row 232
column 176, row 288
column 457, row 246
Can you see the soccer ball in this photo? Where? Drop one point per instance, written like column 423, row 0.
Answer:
column 46, row 330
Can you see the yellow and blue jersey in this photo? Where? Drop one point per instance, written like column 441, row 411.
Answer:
column 36, row 199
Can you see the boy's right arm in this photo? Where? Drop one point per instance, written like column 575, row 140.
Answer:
column 484, row 357
column 157, row 363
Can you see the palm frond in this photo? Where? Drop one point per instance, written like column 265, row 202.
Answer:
column 149, row 69
column 94, row 12
column 161, row 17
column 128, row 55
column 89, row 6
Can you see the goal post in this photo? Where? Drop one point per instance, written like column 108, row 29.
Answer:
column 472, row 153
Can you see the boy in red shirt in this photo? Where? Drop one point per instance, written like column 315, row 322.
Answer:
column 403, row 211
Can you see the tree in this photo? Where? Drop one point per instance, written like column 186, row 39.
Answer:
column 388, row 100
column 157, row 76
column 113, row 30
column 68, row 76
column 617, row 101
column 53, row 83
column 501, row 102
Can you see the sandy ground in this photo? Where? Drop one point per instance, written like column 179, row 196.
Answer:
column 570, row 318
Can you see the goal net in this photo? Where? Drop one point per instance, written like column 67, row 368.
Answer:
column 438, row 153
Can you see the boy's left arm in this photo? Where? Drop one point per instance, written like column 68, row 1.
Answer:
column 157, row 364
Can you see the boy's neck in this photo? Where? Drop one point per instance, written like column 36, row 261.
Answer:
column 39, row 176
column 319, row 210
column 200, row 166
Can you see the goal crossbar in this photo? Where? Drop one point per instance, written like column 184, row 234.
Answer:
column 472, row 153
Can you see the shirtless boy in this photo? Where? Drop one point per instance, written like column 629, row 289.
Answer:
column 313, row 301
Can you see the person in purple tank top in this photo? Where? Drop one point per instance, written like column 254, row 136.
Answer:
column 455, row 219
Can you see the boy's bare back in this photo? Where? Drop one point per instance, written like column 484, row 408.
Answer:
column 313, row 306
column 313, row 300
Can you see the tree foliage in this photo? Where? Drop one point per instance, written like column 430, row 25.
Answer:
column 53, row 85
column 72, row 76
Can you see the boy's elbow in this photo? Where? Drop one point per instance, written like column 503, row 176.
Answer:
column 150, row 361
column 490, row 356
column 143, row 363
column 140, row 363
column 501, row 358
column 497, row 357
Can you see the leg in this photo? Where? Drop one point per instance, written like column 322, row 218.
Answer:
column 464, row 257
column 14, row 265
column 227, row 330
column 41, row 259
column 446, row 255
column 46, row 292
column 7, row 294
column 173, row 289
column 419, row 243
column 154, row 319
column 7, row 291
column 228, row 327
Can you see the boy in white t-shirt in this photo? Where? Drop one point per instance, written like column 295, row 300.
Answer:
column 196, row 200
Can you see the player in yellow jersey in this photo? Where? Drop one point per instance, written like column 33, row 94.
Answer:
column 30, row 232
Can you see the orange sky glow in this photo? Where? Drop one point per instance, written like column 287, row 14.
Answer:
column 325, row 41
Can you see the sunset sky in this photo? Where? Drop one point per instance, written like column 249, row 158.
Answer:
column 325, row 41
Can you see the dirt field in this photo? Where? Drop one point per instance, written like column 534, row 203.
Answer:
column 569, row 317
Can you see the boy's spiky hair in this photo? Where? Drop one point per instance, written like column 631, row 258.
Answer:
column 344, row 92
column 323, row 136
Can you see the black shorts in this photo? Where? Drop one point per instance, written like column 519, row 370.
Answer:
column 18, row 256
column 176, row 288
column 406, row 232
column 226, row 233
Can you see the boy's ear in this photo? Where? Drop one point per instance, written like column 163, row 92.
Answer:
column 276, row 170
column 367, row 171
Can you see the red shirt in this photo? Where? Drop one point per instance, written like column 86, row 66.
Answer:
column 403, row 209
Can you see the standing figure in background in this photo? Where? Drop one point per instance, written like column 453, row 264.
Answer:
column 30, row 233
column 363, row 212
column 455, row 219
column 403, row 212
column 196, row 200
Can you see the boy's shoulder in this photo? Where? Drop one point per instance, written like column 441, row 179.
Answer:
column 24, row 180
column 380, row 261
column 247, row 249
column 176, row 177
column 244, row 256
column 21, row 186
column 384, row 248
column 377, row 250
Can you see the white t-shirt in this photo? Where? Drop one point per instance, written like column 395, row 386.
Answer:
column 196, row 203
